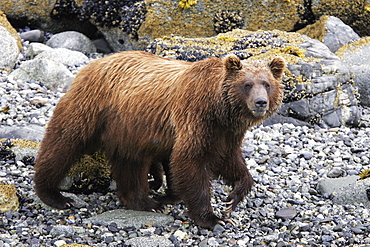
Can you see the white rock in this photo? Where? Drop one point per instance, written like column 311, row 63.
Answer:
column 8, row 49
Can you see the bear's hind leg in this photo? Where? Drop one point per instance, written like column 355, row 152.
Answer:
column 131, row 177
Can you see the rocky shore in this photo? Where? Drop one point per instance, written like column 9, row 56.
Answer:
column 311, row 187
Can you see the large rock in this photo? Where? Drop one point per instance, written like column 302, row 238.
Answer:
column 5, row 23
column 318, row 86
column 72, row 40
column 152, row 241
column 349, row 190
column 30, row 132
column 51, row 73
column 126, row 218
column 207, row 17
column 353, row 13
column 330, row 185
column 357, row 57
column 9, row 44
column 331, row 31
column 64, row 56
column 42, row 14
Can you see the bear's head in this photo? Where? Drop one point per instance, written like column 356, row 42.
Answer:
column 255, row 87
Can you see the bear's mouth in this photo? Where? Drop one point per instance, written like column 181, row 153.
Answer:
column 259, row 112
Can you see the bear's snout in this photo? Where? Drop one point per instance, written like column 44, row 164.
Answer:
column 260, row 103
column 260, row 107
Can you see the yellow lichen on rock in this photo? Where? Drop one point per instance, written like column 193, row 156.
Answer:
column 367, row 7
column 21, row 143
column 8, row 198
column 185, row 4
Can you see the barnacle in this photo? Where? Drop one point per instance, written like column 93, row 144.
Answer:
column 227, row 20
column 128, row 14
column 65, row 8
column 364, row 174
column 185, row 4
column 6, row 154
column 132, row 18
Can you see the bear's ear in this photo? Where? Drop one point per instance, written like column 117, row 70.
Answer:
column 277, row 66
column 232, row 63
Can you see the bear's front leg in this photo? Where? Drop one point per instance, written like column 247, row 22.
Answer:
column 191, row 182
column 191, row 174
column 236, row 173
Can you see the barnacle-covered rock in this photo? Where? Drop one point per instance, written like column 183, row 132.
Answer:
column 207, row 18
column 355, row 13
column 228, row 20
column 90, row 174
column 52, row 16
column 6, row 154
column 331, row 31
column 65, row 9
column 318, row 86
column 118, row 21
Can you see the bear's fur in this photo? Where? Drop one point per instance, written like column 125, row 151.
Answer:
column 142, row 109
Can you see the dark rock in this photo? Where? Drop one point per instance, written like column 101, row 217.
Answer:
column 357, row 230
column 102, row 46
column 335, row 172
column 286, row 213
column 33, row 36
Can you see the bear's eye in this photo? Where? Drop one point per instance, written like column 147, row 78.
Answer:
column 247, row 86
column 266, row 85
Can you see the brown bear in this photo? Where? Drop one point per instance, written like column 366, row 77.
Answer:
column 142, row 109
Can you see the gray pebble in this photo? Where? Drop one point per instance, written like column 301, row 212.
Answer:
column 286, row 213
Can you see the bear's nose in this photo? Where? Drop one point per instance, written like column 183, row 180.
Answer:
column 260, row 102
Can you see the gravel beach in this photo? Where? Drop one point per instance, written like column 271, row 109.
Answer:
column 284, row 208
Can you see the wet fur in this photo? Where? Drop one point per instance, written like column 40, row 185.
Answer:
column 142, row 110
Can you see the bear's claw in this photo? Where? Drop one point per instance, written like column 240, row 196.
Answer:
column 229, row 207
column 227, row 220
